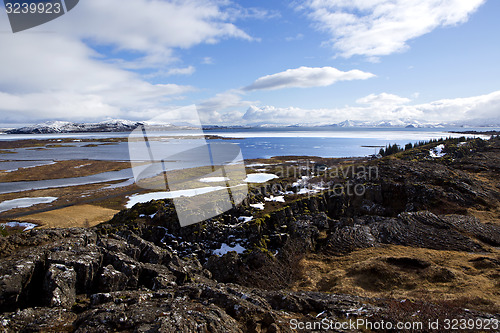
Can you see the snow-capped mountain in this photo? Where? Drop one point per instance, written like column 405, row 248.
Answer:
column 112, row 125
column 396, row 123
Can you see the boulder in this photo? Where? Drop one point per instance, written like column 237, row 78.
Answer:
column 59, row 286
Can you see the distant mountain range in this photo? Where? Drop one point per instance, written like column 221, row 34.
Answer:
column 396, row 123
column 114, row 125
column 343, row 124
column 117, row 125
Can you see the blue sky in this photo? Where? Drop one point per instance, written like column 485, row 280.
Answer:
column 251, row 62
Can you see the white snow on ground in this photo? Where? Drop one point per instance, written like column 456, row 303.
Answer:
column 301, row 182
column 25, row 225
column 245, row 219
column 278, row 198
column 259, row 205
column 81, row 166
column 306, row 190
column 260, row 177
column 24, row 203
column 213, row 179
column 226, row 248
column 137, row 198
column 257, row 165
column 437, row 151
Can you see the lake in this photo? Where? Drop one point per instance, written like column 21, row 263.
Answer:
column 254, row 143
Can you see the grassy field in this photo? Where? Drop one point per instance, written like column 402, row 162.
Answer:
column 74, row 216
column 408, row 273
column 62, row 169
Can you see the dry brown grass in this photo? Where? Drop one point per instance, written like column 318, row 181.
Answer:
column 430, row 275
column 63, row 169
column 486, row 216
column 74, row 216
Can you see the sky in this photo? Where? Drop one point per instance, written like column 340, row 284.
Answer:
column 256, row 62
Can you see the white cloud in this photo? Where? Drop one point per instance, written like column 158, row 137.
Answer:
column 383, row 99
column 375, row 28
column 57, row 105
column 239, row 12
column 172, row 71
column 222, row 108
column 207, row 61
column 385, row 107
column 151, row 27
column 58, row 75
column 181, row 71
column 65, row 80
column 461, row 109
column 306, row 77
column 299, row 36
column 223, row 101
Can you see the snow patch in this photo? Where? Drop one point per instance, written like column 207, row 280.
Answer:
column 259, row 205
column 226, row 248
column 257, row 165
column 278, row 198
column 437, row 151
column 260, row 177
column 141, row 198
column 245, row 219
column 24, row 203
column 81, row 166
column 301, row 182
column 214, row 179
column 25, row 225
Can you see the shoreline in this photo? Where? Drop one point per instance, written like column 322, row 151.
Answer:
column 105, row 193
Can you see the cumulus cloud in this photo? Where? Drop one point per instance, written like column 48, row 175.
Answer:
column 60, row 75
column 306, row 77
column 181, row 71
column 383, row 99
column 172, row 71
column 381, row 27
column 223, row 101
column 69, row 84
column 222, row 108
column 386, row 107
column 150, row 27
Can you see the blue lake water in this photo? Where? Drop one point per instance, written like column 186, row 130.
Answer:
column 254, row 143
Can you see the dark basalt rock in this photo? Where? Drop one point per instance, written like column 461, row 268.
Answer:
column 149, row 274
column 59, row 286
column 111, row 279
column 126, row 265
column 19, row 278
column 130, row 287
column 419, row 229
column 487, row 233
